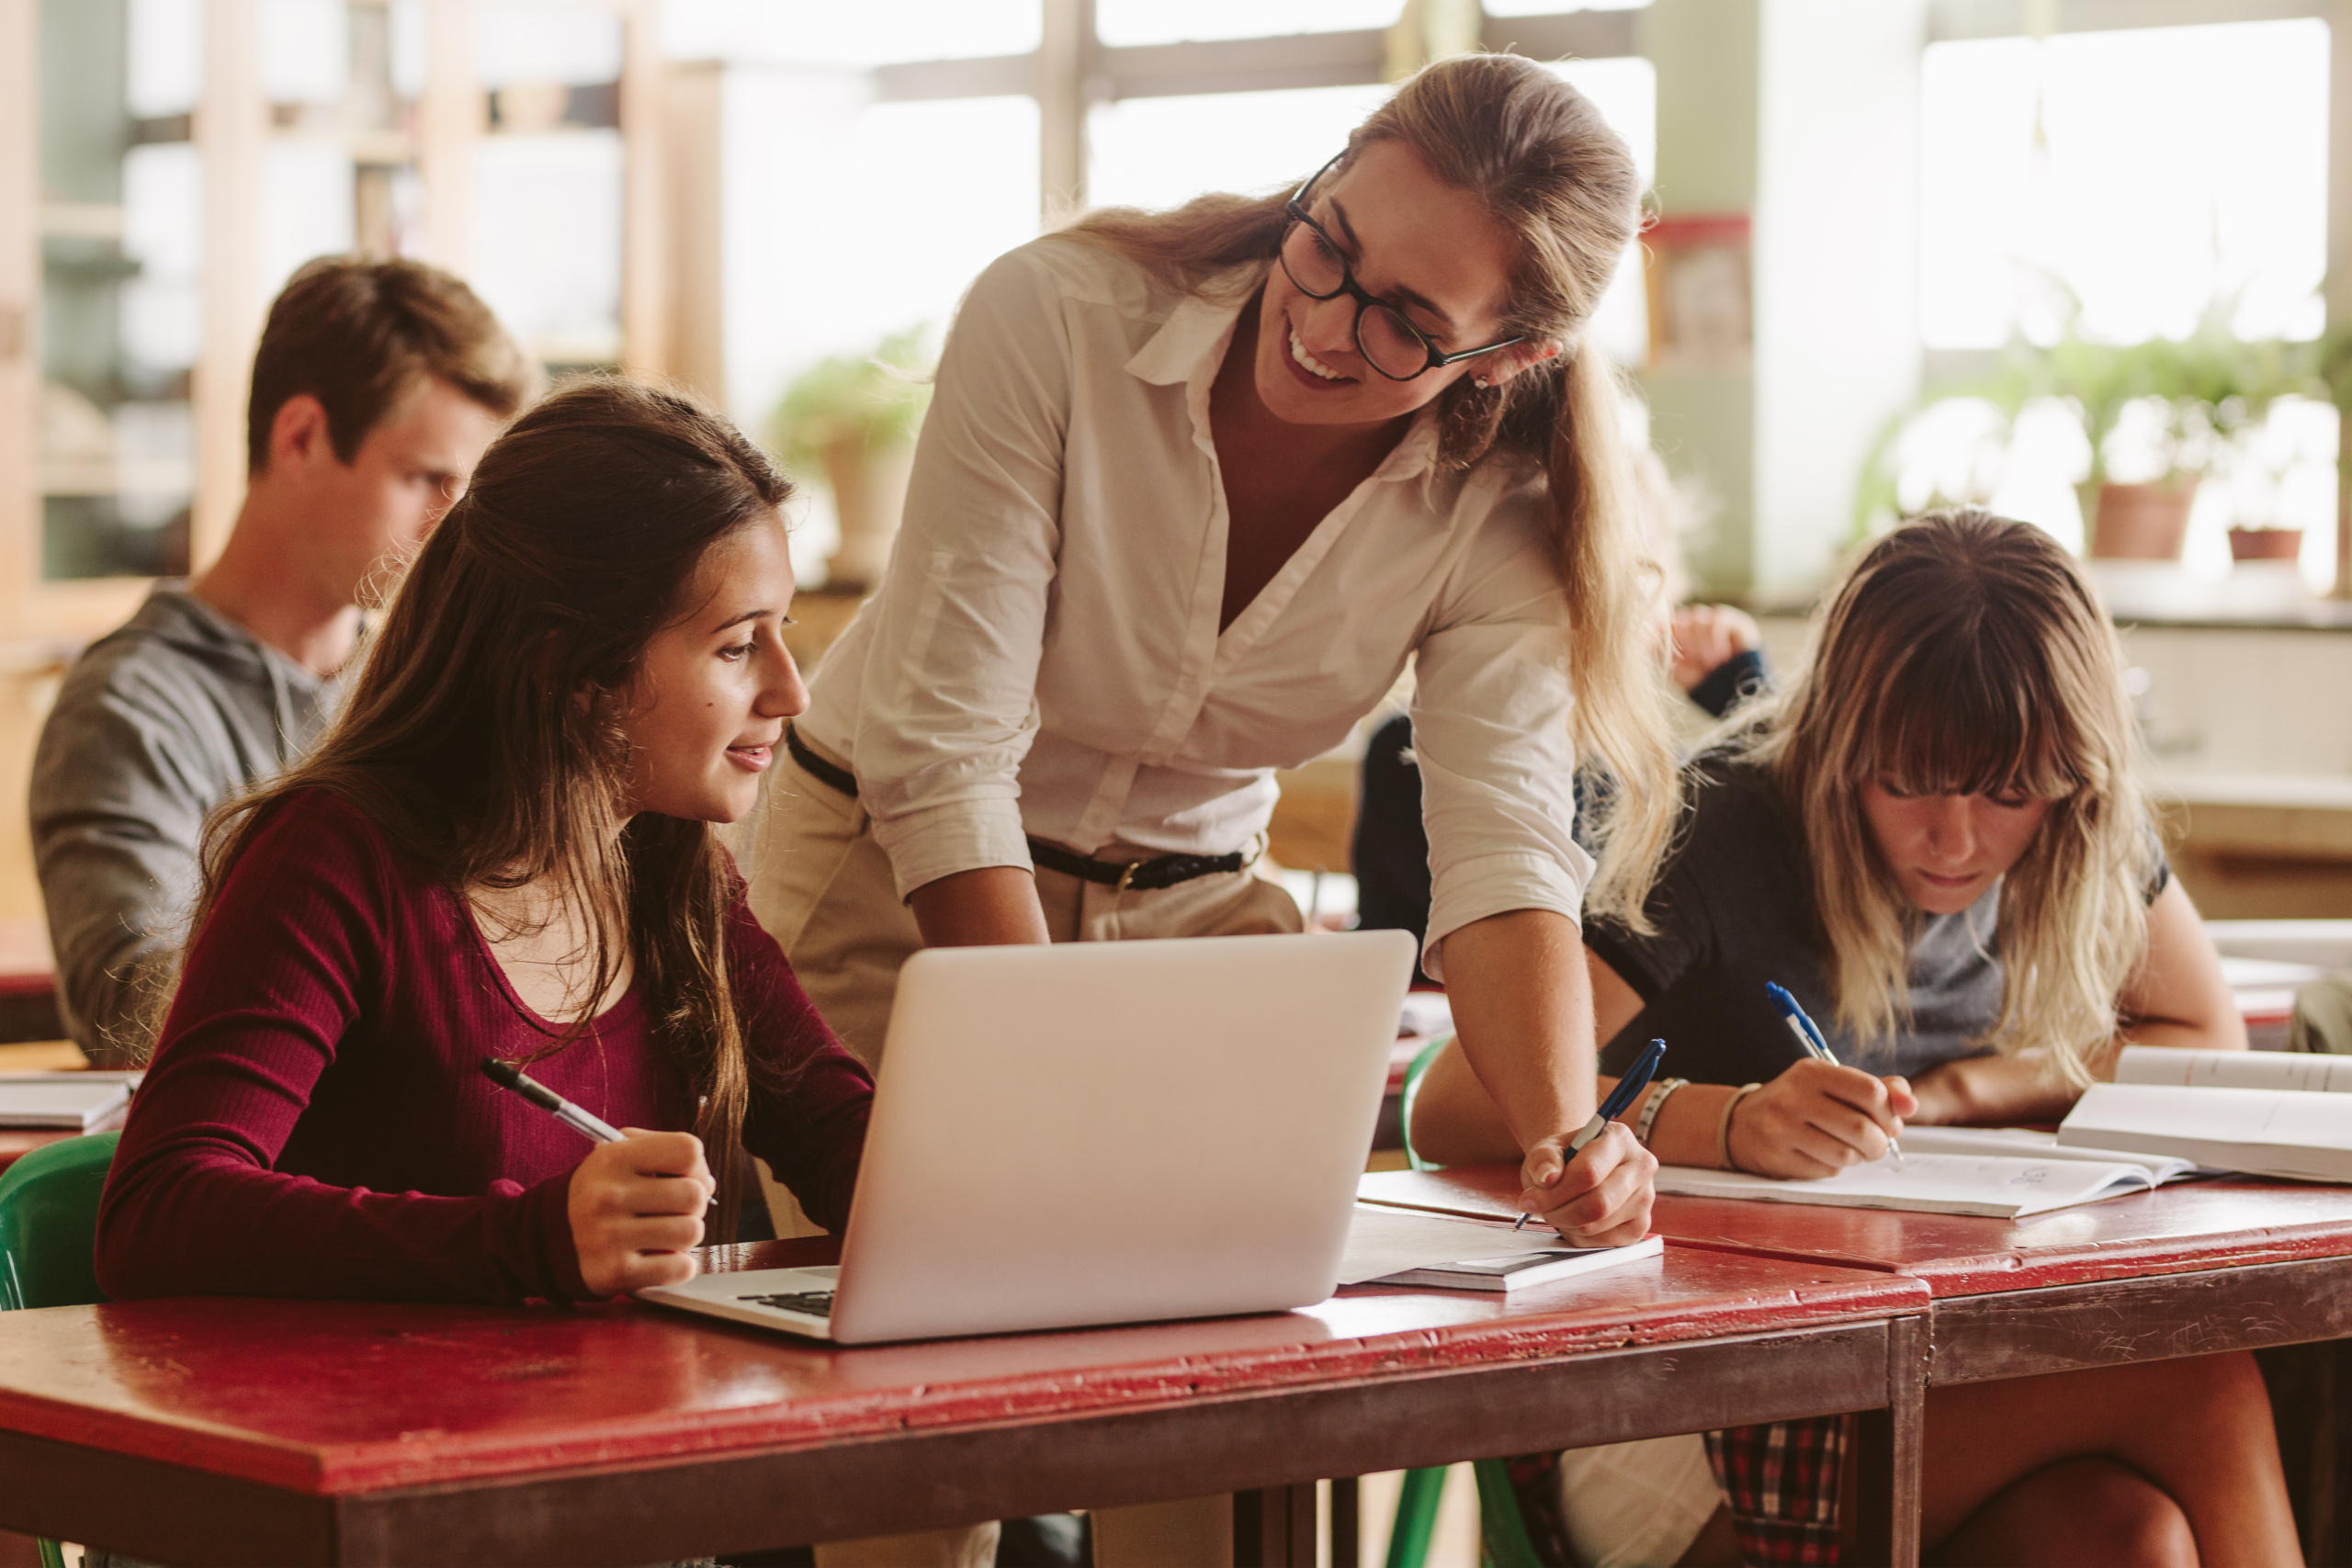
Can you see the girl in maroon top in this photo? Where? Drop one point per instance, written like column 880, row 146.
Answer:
column 503, row 848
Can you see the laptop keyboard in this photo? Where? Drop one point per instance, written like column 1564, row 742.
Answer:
column 816, row 1303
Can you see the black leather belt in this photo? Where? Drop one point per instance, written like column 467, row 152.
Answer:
column 816, row 767
column 1138, row 875
column 1135, row 875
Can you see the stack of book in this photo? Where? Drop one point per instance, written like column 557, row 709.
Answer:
column 73, row 1102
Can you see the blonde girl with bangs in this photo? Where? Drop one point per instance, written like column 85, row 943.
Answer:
column 1936, row 838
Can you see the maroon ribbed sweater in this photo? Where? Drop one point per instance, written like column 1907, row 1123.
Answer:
column 315, row 1121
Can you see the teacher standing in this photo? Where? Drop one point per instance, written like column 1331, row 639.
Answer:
column 1194, row 486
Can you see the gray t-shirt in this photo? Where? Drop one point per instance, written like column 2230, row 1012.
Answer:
column 1733, row 910
column 157, row 723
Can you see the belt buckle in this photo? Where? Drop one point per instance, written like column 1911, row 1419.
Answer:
column 1128, row 875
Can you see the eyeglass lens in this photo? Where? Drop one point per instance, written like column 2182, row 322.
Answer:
column 1392, row 346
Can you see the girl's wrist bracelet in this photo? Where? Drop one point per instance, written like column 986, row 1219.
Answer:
column 1650, row 1109
column 1723, row 1128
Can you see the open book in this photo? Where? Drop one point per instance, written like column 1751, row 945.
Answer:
column 2266, row 1113
column 2025, row 1143
column 2000, row 1188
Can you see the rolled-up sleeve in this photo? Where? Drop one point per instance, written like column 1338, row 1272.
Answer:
column 947, row 708
column 1492, row 731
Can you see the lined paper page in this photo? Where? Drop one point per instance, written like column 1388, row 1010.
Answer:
column 1950, row 1184
column 2234, row 1070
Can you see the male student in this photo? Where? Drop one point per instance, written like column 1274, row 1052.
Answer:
column 375, row 390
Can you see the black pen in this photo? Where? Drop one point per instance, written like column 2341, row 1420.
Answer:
column 1620, row 1098
column 506, row 1075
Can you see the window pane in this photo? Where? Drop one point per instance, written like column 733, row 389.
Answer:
column 948, row 187
column 876, row 224
column 547, row 242
column 306, row 205
column 305, row 51
column 120, row 248
column 1553, row 8
column 571, row 46
column 2151, row 173
column 166, row 57
column 1118, row 22
column 870, row 33
column 1162, row 151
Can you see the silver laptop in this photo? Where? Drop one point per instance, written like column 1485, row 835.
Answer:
column 1098, row 1133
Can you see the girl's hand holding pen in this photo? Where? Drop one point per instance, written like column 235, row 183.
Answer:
column 636, row 1208
column 1600, row 1196
column 1816, row 1119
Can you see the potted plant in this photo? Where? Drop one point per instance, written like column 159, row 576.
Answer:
column 852, row 418
column 2206, row 392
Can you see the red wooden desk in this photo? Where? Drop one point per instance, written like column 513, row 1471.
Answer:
column 16, row 1142
column 27, row 981
column 215, row 1430
column 2230, row 1264
column 2234, row 1264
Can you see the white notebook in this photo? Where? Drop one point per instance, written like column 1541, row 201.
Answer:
column 1999, row 1188
column 77, row 1101
column 1411, row 1247
column 2024, row 1143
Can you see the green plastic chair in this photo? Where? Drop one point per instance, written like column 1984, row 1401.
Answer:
column 1507, row 1543
column 48, row 1228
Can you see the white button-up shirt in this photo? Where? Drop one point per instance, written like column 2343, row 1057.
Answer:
column 1043, row 656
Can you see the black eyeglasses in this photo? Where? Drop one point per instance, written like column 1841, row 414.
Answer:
column 1389, row 343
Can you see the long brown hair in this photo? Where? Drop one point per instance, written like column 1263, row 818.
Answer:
column 480, row 737
column 1546, row 166
column 1966, row 654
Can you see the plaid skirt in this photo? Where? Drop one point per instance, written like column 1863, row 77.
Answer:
column 1781, row 1480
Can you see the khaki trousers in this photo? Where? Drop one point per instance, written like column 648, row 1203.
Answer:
column 823, row 888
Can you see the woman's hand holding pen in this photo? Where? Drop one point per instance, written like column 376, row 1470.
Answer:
column 1816, row 1119
column 635, row 1208
column 1600, row 1196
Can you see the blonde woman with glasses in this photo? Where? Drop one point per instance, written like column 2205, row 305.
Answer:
column 1194, row 489
column 1937, row 840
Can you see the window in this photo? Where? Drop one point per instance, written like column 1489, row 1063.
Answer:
column 2149, row 174
column 2125, row 185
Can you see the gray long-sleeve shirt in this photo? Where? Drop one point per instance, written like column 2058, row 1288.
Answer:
column 158, row 722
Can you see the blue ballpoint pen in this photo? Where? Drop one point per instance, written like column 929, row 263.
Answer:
column 1632, row 1084
column 1810, row 1038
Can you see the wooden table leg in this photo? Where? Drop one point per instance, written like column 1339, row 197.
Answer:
column 1890, row 1440
column 1347, row 1522
column 1275, row 1528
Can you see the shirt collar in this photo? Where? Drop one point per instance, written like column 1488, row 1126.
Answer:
column 1190, row 346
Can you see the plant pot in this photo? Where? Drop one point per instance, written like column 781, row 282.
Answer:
column 2142, row 522
column 2265, row 544
column 869, row 493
